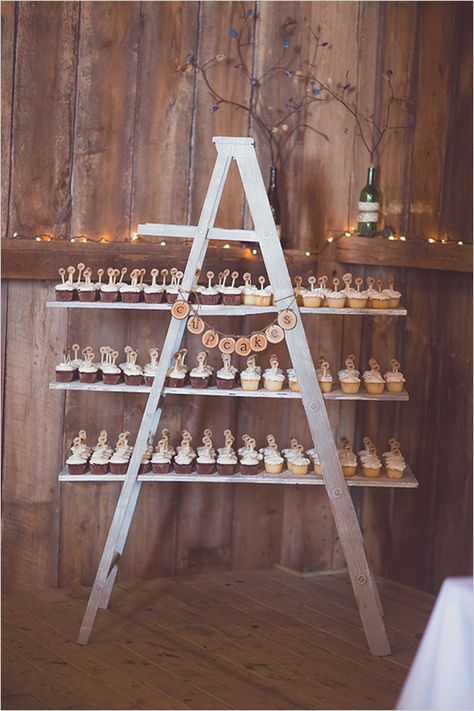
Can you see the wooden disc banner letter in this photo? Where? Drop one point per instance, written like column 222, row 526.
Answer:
column 180, row 309
column 258, row 342
column 210, row 339
column 195, row 325
column 227, row 345
column 274, row 334
column 242, row 347
column 287, row 319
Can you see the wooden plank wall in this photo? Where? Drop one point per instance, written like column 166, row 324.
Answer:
column 107, row 132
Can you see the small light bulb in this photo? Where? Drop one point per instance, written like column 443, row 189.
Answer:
column 15, row 234
column 403, row 238
column 308, row 254
column 431, row 240
column 134, row 237
column 460, row 242
column 72, row 239
column 162, row 244
column 227, row 246
column 38, row 239
column 391, row 237
column 254, row 251
column 330, row 239
column 347, row 234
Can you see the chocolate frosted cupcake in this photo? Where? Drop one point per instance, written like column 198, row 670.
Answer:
column 66, row 289
column 201, row 375
column 208, row 294
column 65, row 372
column 227, row 375
column 153, row 293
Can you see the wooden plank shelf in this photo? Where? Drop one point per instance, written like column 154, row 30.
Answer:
column 235, row 392
column 415, row 254
column 221, row 310
column 408, row 481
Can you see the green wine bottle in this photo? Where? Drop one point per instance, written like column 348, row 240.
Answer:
column 368, row 207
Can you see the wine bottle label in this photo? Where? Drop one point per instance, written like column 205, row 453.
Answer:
column 368, row 212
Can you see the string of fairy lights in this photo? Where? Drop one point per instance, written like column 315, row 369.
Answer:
column 134, row 238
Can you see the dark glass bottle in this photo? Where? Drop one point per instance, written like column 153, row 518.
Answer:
column 368, row 207
column 273, row 196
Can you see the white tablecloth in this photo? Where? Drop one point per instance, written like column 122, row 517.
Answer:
column 441, row 674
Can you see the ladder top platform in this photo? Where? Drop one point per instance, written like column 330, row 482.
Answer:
column 233, row 140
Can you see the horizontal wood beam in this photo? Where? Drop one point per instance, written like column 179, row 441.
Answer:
column 412, row 254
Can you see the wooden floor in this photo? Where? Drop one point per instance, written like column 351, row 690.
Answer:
column 241, row 640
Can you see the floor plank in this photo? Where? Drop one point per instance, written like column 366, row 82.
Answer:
column 244, row 640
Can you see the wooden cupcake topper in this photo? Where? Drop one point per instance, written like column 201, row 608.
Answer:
column 225, row 274
column 374, row 366
column 247, row 277
column 336, row 283
column 164, row 275
column 395, row 365
column 347, row 279
column 62, row 274
column 154, row 355
column 358, row 282
column 210, row 277
column 261, row 281
column 201, row 359
column 312, row 282
column 154, row 274
column 100, row 274
column 234, row 276
column 80, row 268
column 322, row 281
column 71, row 271
column 274, row 364
column 370, row 282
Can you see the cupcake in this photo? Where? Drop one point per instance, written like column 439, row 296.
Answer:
column 130, row 293
column 109, row 293
column 395, row 464
column 76, row 362
column 248, row 290
column 314, row 457
column 299, row 290
column 264, row 295
column 185, row 455
column 300, row 463
column 145, row 462
column 373, row 381
column 176, row 375
column 119, row 460
column 153, row 293
column 393, row 295
column 206, row 457
column 77, row 462
column 65, row 372
column 273, row 377
column 88, row 372
column 201, row 375
column 393, row 378
column 86, row 290
column 174, row 287
column 371, row 464
column 313, row 297
column 349, row 377
column 227, row 458
column 250, row 458
column 335, row 299
column 99, row 461
column 111, row 373
column 355, row 298
column 251, row 376
column 208, row 294
column 290, row 453
column 65, row 290
column 272, row 459
column 324, row 376
column 149, row 371
column 232, row 294
column 378, row 299
column 227, row 375
column 133, row 373
column 293, row 380
column 347, row 458
column 161, row 459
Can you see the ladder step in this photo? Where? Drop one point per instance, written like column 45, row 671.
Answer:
column 152, row 229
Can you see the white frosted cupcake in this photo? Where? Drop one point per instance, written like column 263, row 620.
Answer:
column 153, row 293
column 293, row 380
column 393, row 295
column 349, row 377
column 273, row 377
column 273, row 462
column 227, row 375
column 324, row 376
column 393, row 378
column 335, row 299
column 65, row 290
column 251, row 376
column 373, row 380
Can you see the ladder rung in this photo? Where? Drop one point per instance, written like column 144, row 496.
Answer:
column 189, row 232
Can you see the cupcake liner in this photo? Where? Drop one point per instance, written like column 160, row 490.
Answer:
column 130, row 297
column 109, row 297
column 111, row 378
column 209, row 299
column 226, row 469
column 349, row 471
column 374, row 388
column 175, row 382
column 249, row 469
column 118, row 467
column 144, row 468
column 335, row 303
column 294, row 385
column 183, row 468
column 273, row 385
column 154, row 297
column 350, row 388
column 197, row 382
column 161, row 468
column 77, row 469
column 357, row 303
column 64, row 295
column 87, row 296
column 263, row 300
column 99, row 469
column 312, row 302
column 225, row 384
column 64, row 376
column 274, row 468
column 133, row 379
column 250, row 385
column 204, row 469
column 88, row 377
column 149, row 380
column 171, row 298
column 379, row 303
column 394, row 387
column 232, row 299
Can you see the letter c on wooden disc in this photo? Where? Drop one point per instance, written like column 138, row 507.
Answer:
column 227, row 345
column 180, row 309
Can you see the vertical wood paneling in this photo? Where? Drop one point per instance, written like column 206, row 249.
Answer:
column 8, row 58
column 105, row 115
column 44, row 97
column 99, row 94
